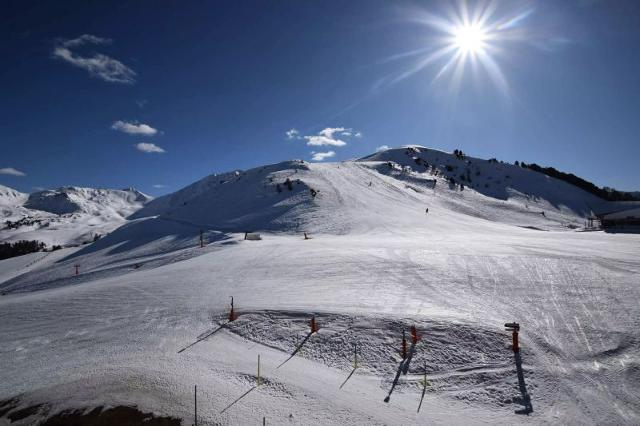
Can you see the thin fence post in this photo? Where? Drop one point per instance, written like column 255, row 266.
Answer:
column 195, row 401
column 258, row 370
column 355, row 355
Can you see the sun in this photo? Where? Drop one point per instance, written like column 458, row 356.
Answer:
column 464, row 39
column 469, row 38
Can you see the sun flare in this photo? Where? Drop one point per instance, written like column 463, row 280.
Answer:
column 465, row 40
column 470, row 38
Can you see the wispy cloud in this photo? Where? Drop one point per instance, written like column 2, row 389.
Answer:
column 330, row 136
column 320, row 156
column 96, row 64
column 11, row 171
column 293, row 134
column 149, row 148
column 134, row 128
column 382, row 148
column 158, row 186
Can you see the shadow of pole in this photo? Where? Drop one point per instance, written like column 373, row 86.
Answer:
column 239, row 398
column 347, row 379
column 402, row 368
column 297, row 350
column 525, row 399
column 203, row 337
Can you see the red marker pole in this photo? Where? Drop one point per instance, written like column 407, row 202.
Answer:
column 314, row 326
column 232, row 314
column 414, row 335
column 514, row 327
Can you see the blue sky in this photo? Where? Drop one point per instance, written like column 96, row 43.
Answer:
column 92, row 92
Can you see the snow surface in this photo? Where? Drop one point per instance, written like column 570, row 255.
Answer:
column 376, row 263
column 68, row 215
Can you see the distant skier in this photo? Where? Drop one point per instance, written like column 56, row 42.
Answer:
column 426, row 210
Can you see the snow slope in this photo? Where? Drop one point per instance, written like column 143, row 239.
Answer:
column 248, row 200
column 68, row 215
column 376, row 264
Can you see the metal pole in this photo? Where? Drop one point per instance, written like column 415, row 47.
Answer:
column 195, row 400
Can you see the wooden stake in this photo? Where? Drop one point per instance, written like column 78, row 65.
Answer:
column 258, row 370
column 424, row 388
column 355, row 355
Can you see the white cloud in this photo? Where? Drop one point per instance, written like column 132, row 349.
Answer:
column 358, row 134
column 98, row 65
column 319, row 140
column 134, row 128
column 293, row 134
column 330, row 136
column 11, row 171
column 382, row 148
column 149, row 147
column 329, row 132
column 158, row 185
column 320, row 156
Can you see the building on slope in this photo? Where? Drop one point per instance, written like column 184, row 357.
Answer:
column 628, row 218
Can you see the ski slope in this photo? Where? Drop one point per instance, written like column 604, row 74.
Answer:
column 376, row 264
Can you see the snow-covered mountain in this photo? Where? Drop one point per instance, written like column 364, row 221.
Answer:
column 67, row 215
column 10, row 197
column 370, row 192
column 452, row 245
column 72, row 199
column 11, row 202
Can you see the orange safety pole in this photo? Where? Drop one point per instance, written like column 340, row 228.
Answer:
column 515, row 329
column 414, row 335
